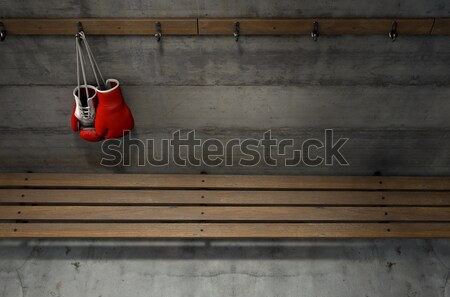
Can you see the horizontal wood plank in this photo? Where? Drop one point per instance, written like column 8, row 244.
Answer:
column 304, row 26
column 224, row 213
column 205, row 230
column 221, row 197
column 270, row 206
column 441, row 27
column 100, row 26
column 83, row 180
column 256, row 26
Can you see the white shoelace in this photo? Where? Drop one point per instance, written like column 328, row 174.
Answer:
column 84, row 111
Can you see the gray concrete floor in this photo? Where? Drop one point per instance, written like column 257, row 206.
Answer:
column 225, row 268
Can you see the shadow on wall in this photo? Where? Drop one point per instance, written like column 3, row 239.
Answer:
column 193, row 249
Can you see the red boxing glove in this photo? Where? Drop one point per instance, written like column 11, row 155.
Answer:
column 84, row 113
column 113, row 118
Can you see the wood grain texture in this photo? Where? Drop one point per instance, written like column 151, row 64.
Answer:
column 441, row 27
column 255, row 26
column 304, row 26
column 220, row 197
column 263, row 26
column 100, row 26
column 223, row 181
column 211, row 206
column 224, row 213
column 310, row 230
column 375, row 26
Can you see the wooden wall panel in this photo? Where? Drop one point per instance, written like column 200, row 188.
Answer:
column 99, row 26
column 304, row 26
column 441, row 27
column 255, row 26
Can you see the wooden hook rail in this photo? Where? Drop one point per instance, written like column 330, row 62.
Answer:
column 99, row 26
column 247, row 26
column 304, row 26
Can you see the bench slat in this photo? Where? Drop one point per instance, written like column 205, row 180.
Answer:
column 223, row 206
column 218, row 197
column 223, row 181
column 224, row 213
column 205, row 230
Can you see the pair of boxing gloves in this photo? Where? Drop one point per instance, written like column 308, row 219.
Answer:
column 101, row 114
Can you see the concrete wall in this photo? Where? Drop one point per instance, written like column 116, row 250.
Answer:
column 225, row 8
column 223, row 268
column 385, row 97
column 389, row 98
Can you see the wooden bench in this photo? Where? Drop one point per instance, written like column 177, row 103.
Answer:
column 217, row 206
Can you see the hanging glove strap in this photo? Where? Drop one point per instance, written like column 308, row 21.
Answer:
column 80, row 64
column 93, row 62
